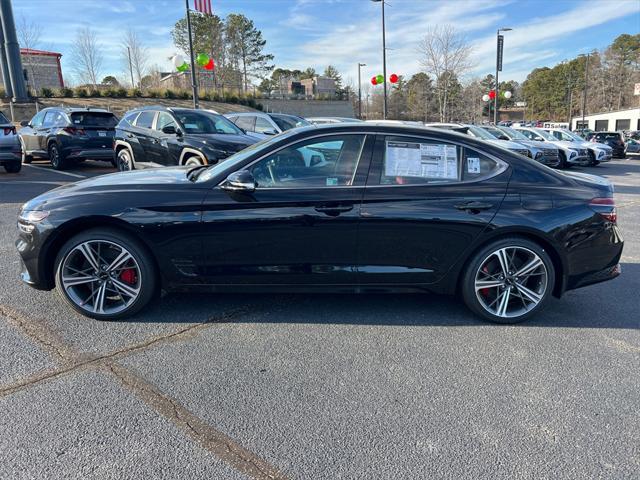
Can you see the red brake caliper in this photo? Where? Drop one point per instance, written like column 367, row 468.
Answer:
column 129, row 276
column 485, row 291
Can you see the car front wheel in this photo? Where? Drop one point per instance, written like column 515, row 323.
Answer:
column 124, row 163
column 105, row 274
column 13, row 167
column 508, row 281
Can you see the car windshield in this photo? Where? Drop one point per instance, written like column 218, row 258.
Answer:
column 573, row 135
column 495, row 132
column 287, row 122
column 545, row 135
column 513, row 134
column 3, row 119
column 480, row 133
column 94, row 119
column 206, row 123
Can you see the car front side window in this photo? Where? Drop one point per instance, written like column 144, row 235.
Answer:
column 164, row 120
column 326, row 162
column 37, row 120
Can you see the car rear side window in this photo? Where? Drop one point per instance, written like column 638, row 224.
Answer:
column 94, row 119
column 416, row 161
column 145, row 119
column 263, row 125
column 130, row 118
column 246, row 122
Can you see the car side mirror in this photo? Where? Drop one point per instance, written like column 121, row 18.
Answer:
column 241, row 181
column 169, row 130
column 538, row 139
column 24, row 123
column 270, row 132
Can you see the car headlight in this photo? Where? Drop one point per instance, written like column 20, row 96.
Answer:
column 538, row 155
column 573, row 153
column 28, row 218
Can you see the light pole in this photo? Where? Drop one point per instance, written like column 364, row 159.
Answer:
column 360, row 91
column 384, row 64
column 500, row 44
column 584, row 90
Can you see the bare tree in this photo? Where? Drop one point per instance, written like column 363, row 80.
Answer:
column 445, row 55
column 29, row 37
column 132, row 45
column 86, row 56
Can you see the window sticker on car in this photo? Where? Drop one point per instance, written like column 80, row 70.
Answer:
column 425, row 160
column 473, row 165
column 332, row 182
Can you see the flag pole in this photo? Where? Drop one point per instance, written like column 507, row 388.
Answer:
column 194, row 85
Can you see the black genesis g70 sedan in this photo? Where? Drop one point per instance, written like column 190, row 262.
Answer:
column 345, row 207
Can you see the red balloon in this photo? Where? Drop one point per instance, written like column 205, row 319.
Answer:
column 393, row 78
column 492, row 94
column 209, row 66
column 374, row 81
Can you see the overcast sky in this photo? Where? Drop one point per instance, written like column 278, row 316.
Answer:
column 302, row 33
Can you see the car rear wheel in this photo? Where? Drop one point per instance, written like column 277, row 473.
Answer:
column 124, row 162
column 13, row 167
column 105, row 274
column 56, row 157
column 563, row 160
column 508, row 281
column 26, row 158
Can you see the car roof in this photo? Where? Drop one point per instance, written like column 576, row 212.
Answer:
column 78, row 110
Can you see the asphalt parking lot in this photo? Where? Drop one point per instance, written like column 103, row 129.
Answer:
column 319, row 386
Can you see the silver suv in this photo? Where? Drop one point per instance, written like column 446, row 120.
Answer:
column 260, row 124
column 570, row 153
column 598, row 152
column 542, row 152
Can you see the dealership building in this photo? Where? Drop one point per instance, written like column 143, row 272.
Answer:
column 609, row 121
column 40, row 69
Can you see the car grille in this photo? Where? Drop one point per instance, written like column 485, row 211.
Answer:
column 583, row 152
column 524, row 151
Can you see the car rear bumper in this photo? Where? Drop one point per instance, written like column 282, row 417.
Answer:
column 92, row 153
column 10, row 157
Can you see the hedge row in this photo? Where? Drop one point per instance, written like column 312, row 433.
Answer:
column 82, row 92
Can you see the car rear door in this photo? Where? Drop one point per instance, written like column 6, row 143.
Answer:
column 142, row 130
column 299, row 226
column 425, row 203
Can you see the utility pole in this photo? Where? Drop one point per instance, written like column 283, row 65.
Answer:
column 384, row 63
column 499, row 49
column 360, row 90
column 133, row 85
column 194, row 85
column 584, row 90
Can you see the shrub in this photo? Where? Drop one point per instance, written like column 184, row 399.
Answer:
column 121, row 92
column 46, row 92
column 110, row 92
column 3, row 93
column 95, row 93
column 259, row 106
column 154, row 93
column 135, row 92
column 82, row 92
column 184, row 95
column 230, row 97
column 66, row 92
column 168, row 93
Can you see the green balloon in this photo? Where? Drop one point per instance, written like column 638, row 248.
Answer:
column 202, row 59
column 379, row 79
column 184, row 67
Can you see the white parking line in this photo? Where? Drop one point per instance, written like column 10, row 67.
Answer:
column 55, row 171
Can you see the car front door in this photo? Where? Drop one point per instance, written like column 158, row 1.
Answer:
column 299, row 226
column 28, row 134
column 164, row 147
column 425, row 203
column 42, row 132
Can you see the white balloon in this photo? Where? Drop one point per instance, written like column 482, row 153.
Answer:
column 177, row 60
column 485, row 98
column 507, row 94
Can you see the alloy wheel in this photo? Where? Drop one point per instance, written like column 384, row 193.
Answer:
column 511, row 281
column 101, row 277
column 54, row 156
column 124, row 162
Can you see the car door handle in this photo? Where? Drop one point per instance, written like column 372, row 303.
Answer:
column 333, row 210
column 471, row 206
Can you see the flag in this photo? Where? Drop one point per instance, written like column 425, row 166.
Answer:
column 203, row 6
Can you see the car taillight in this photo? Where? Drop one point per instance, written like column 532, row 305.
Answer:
column 74, row 130
column 9, row 131
column 606, row 207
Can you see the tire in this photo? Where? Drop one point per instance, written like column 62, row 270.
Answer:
column 194, row 161
column 57, row 159
column 99, row 293
column 27, row 159
column 592, row 159
column 13, row 167
column 124, row 162
column 484, row 268
column 563, row 160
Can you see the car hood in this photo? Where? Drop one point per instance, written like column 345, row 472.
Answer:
column 151, row 178
column 224, row 141
column 535, row 144
column 506, row 144
column 565, row 144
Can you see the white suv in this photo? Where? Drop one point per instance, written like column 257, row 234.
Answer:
column 570, row 153
column 598, row 152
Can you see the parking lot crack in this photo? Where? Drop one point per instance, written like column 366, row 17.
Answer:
column 205, row 435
